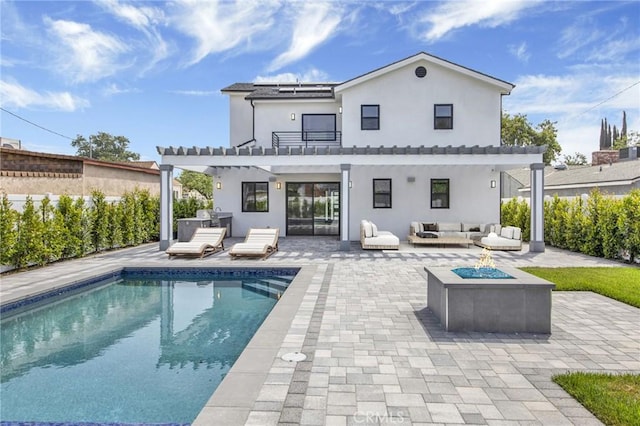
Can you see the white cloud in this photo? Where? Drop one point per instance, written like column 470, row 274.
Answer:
column 520, row 51
column 85, row 54
column 18, row 96
column 113, row 89
column 145, row 19
column 311, row 76
column 196, row 92
column 218, row 26
column 577, row 103
column 452, row 15
column 314, row 24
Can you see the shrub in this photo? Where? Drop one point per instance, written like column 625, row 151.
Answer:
column 8, row 231
column 629, row 224
column 29, row 243
column 52, row 233
column 99, row 221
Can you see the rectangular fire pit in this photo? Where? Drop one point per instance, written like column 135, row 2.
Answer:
column 521, row 304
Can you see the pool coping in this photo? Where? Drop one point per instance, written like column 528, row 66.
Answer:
column 235, row 396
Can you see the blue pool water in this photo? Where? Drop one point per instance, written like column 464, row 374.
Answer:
column 481, row 273
column 141, row 348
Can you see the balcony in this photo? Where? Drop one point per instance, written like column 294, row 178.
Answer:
column 307, row 139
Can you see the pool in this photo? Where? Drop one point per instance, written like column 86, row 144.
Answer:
column 144, row 346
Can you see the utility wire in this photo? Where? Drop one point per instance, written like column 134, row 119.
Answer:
column 608, row 99
column 37, row 125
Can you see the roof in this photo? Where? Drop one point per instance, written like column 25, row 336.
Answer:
column 624, row 171
column 505, row 86
column 73, row 158
column 283, row 90
column 326, row 90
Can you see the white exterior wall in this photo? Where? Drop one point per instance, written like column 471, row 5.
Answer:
column 240, row 119
column 471, row 198
column 407, row 109
column 229, row 198
column 275, row 116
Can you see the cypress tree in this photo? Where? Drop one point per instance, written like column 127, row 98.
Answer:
column 623, row 132
column 609, row 137
column 602, row 134
column 615, row 135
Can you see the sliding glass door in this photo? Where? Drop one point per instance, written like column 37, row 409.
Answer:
column 313, row 208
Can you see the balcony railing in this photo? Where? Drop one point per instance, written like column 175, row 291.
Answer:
column 306, row 139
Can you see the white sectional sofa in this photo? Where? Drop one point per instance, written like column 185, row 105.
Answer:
column 372, row 238
column 501, row 238
column 449, row 229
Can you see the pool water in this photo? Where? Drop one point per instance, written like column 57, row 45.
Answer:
column 134, row 350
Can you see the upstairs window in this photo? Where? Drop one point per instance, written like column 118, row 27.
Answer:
column 439, row 193
column 370, row 117
column 255, row 196
column 443, row 116
column 382, row 193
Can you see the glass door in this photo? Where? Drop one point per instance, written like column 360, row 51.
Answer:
column 313, row 208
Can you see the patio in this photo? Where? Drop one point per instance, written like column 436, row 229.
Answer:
column 376, row 355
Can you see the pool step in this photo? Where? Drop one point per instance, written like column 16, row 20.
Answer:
column 267, row 287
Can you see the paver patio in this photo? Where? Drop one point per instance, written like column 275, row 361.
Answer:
column 376, row 355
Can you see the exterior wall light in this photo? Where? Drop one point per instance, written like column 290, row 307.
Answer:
column 218, row 185
column 278, row 185
column 339, row 110
column 293, row 116
column 493, row 183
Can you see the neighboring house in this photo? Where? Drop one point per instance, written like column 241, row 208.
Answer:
column 25, row 173
column 616, row 179
column 418, row 139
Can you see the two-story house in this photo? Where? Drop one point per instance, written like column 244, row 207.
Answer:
column 418, row 139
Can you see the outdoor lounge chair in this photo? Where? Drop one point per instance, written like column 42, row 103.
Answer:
column 259, row 242
column 204, row 241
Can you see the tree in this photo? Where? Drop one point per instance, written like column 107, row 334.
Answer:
column 623, row 132
column 104, row 146
column 517, row 131
column 197, row 181
column 603, row 135
column 578, row 159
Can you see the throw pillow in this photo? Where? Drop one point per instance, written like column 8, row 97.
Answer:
column 374, row 229
column 474, row 229
column 430, row 226
column 427, row 235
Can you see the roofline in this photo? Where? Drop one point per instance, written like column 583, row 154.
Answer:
column 84, row 160
column 505, row 85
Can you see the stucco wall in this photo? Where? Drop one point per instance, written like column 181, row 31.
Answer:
column 240, row 119
column 472, row 199
column 115, row 182
column 32, row 185
column 407, row 109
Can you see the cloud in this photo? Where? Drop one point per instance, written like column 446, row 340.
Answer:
column 113, row 89
column 84, row 54
column 452, row 15
column 311, row 76
column 145, row 19
column 18, row 96
column 196, row 92
column 314, row 24
column 218, row 26
column 577, row 104
column 520, row 51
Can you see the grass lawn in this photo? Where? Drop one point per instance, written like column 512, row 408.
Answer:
column 614, row 399
column 622, row 284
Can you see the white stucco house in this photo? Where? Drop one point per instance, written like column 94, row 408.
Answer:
column 418, row 139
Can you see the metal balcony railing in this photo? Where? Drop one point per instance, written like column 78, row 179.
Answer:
column 307, row 139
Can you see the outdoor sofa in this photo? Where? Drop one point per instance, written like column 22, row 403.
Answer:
column 373, row 239
column 501, row 238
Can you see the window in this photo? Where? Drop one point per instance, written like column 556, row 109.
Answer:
column 443, row 116
column 439, row 193
column 370, row 117
column 255, row 196
column 318, row 127
column 382, row 193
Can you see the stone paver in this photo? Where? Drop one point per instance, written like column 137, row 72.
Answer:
column 376, row 355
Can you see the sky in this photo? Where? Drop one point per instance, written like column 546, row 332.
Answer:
column 152, row 71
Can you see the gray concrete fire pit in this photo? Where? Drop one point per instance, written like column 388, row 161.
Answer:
column 518, row 304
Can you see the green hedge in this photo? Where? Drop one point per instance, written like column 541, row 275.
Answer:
column 73, row 228
column 601, row 226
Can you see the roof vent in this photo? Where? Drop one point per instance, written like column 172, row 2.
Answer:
column 421, row 72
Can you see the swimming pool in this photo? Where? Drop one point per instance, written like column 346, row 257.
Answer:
column 146, row 346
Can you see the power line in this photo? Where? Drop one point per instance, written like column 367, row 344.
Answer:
column 37, row 125
column 608, row 99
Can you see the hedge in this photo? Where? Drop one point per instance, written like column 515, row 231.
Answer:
column 71, row 229
column 601, row 226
